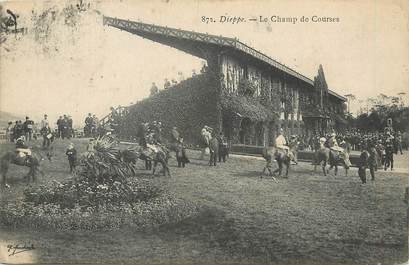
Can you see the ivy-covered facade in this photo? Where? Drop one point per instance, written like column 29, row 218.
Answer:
column 244, row 93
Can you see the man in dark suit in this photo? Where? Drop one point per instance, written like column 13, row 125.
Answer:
column 28, row 128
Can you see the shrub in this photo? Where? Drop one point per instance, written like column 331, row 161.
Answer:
column 102, row 180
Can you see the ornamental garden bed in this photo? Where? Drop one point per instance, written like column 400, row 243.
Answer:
column 105, row 194
column 142, row 215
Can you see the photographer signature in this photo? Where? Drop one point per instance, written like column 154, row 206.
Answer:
column 18, row 248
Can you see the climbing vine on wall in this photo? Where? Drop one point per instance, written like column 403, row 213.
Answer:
column 247, row 87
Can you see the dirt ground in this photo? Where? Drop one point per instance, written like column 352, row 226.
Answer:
column 307, row 219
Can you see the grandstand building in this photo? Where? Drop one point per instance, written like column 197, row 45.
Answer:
column 243, row 92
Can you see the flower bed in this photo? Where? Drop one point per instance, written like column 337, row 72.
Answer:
column 141, row 215
column 102, row 195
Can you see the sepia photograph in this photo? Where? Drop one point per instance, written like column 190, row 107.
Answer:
column 204, row 132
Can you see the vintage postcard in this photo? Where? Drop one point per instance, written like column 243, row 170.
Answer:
column 204, row 132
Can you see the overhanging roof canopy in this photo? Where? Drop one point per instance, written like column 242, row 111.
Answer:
column 196, row 43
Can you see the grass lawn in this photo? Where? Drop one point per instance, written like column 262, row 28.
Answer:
column 306, row 219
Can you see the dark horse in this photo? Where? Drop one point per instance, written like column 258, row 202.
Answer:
column 325, row 155
column 159, row 155
column 282, row 158
column 11, row 157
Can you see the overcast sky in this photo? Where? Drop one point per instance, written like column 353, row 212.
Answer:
column 89, row 67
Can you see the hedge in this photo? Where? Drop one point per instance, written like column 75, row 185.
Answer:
column 189, row 105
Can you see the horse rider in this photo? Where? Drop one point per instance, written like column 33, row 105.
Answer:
column 206, row 135
column 294, row 142
column 23, row 150
column 322, row 140
column 281, row 144
column 333, row 144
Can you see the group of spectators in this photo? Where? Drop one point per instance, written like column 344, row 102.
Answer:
column 92, row 125
column 64, row 127
column 110, row 124
column 169, row 83
column 356, row 140
column 19, row 129
column 28, row 130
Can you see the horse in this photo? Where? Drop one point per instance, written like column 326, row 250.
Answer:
column 325, row 155
column 282, row 158
column 157, row 154
column 181, row 156
column 33, row 163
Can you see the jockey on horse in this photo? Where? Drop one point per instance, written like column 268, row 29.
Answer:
column 22, row 150
column 333, row 145
column 329, row 152
column 281, row 145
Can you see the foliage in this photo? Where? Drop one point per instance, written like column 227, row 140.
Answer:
column 189, row 105
column 141, row 215
column 102, row 179
column 246, row 87
column 376, row 120
column 87, row 194
column 270, row 98
column 246, row 106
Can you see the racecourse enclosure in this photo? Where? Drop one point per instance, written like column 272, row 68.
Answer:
column 306, row 218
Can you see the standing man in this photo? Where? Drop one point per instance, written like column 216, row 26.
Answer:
column 70, row 131
column 59, row 126
column 45, row 131
column 389, row 154
column 64, row 127
column 95, row 124
column 28, row 128
column 9, row 132
column 88, row 125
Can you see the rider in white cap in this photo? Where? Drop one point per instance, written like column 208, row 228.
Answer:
column 281, row 142
column 333, row 144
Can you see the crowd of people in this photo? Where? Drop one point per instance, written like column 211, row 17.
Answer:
column 377, row 148
column 64, row 127
column 92, row 125
column 19, row 129
column 22, row 132
column 173, row 82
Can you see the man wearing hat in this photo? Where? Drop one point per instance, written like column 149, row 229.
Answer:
column 45, row 131
column 88, row 125
column 28, row 128
column 388, row 154
column 281, row 142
